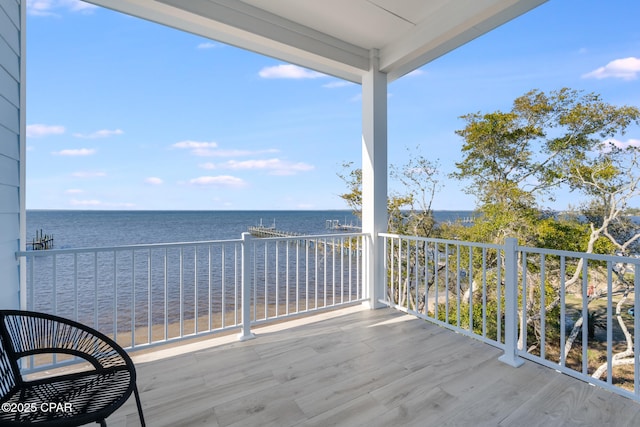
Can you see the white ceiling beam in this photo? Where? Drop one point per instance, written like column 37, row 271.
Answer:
column 442, row 28
column 247, row 27
column 258, row 23
column 441, row 33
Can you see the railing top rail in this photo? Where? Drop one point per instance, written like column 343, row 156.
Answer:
column 573, row 254
column 125, row 247
column 526, row 249
column 443, row 241
column 312, row 236
column 177, row 244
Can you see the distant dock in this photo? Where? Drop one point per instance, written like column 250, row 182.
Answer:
column 334, row 224
column 340, row 244
column 330, row 224
column 41, row 242
column 262, row 231
column 463, row 220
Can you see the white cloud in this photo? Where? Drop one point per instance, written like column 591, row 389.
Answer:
column 154, row 180
column 224, row 180
column 337, row 84
column 103, row 133
column 78, row 5
column 54, row 7
column 208, row 149
column 631, row 142
column 198, row 148
column 94, row 202
column 275, row 166
column 625, row 68
column 241, row 153
column 208, row 45
column 195, row 144
column 40, row 130
column 415, row 73
column 289, row 71
column 88, row 174
column 75, row 152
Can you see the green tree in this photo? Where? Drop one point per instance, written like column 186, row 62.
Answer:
column 409, row 213
column 610, row 178
column 514, row 160
column 419, row 177
column 409, row 210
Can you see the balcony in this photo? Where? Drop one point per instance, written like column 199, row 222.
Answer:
column 319, row 357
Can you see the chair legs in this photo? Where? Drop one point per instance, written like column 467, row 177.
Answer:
column 139, row 404
column 103, row 423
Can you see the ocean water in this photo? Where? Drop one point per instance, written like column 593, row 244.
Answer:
column 122, row 290
column 84, row 229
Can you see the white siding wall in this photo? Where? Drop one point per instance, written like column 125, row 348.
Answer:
column 11, row 148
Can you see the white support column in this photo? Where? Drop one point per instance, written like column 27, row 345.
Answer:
column 374, row 176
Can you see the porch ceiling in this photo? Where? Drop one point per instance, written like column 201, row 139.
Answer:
column 335, row 36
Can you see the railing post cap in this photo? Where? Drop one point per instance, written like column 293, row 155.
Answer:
column 511, row 241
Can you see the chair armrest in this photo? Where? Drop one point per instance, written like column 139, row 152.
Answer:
column 32, row 333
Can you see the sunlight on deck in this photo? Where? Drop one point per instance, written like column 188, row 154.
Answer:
column 354, row 367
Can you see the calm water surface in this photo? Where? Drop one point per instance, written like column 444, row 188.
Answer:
column 82, row 229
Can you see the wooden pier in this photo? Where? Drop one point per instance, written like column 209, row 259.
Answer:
column 337, row 243
column 463, row 220
column 261, row 231
column 41, row 242
column 335, row 224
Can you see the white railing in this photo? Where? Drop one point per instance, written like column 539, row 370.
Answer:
column 144, row 295
column 581, row 324
column 526, row 301
column 435, row 278
column 307, row 273
column 140, row 294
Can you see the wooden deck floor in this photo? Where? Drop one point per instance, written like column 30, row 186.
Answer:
column 360, row 367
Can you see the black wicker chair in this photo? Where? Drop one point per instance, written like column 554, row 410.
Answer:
column 64, row 400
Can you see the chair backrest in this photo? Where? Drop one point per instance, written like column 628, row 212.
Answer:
column 7, row 366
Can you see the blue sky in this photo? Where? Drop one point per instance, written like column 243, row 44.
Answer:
column 127, row 114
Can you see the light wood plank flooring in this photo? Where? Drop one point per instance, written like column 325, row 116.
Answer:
column 358, row 367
